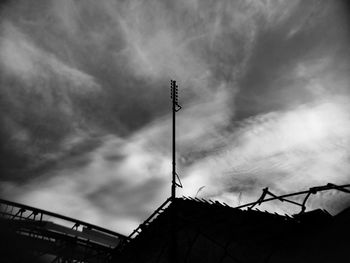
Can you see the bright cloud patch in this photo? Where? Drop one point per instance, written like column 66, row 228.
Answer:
column 287, row 151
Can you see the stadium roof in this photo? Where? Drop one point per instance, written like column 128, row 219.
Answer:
column 216, row 233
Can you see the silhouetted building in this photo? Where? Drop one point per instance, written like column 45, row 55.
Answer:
column 182, row 230
column 215, row 233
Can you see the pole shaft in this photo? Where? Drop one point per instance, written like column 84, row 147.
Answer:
column 173, row 183
column 173, row 248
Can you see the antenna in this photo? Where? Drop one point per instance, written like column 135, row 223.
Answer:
column 174, row 95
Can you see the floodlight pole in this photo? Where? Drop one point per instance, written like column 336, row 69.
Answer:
column 173, row 186
column 175, row 108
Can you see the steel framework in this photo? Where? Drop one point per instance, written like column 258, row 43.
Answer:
column 59, row 238
column 285, row 198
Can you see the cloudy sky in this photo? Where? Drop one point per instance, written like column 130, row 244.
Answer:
column 85, row 107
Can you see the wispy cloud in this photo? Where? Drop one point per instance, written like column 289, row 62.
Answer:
column 263, row 85
column 39, row 94
column 23, row 59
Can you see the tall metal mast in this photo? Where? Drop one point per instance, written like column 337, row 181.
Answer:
column 174, row 94
column 175, row 108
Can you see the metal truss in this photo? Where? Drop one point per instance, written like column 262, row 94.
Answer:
column 286, row 197
column 60, row 237
column 142, row 226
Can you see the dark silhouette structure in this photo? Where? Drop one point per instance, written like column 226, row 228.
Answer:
column 208, row 231
column 286, row 197
column 43, row 236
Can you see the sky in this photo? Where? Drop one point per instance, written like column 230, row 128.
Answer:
column 85, row 110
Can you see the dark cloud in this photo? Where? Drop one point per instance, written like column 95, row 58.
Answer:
column 313, row 30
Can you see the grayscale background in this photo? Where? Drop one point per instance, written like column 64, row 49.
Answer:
column 85, row 112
